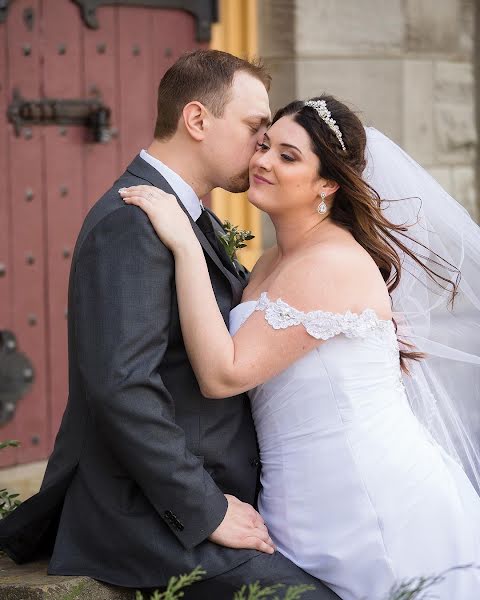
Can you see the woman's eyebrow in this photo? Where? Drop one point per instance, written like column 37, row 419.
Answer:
column 285, row 144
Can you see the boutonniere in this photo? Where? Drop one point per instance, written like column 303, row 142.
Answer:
column 234, row 238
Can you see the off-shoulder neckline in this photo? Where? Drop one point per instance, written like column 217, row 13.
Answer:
column 264, row 296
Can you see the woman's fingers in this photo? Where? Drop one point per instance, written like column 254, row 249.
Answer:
column 136, row 193
column 148, row 192
column 138, row 201
column 167, row 217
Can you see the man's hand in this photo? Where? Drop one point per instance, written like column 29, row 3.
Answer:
column 242, row 527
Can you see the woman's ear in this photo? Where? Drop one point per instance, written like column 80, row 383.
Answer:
column 195, row 119
column 328, row 187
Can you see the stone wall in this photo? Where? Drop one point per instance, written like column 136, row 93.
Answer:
column 406, row 65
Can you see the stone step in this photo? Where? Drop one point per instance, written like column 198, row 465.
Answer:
column 31, row 582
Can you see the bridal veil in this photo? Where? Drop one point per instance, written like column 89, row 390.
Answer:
column 444, row 388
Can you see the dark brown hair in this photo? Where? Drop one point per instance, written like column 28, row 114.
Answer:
column 202, row 75
column 357, row 206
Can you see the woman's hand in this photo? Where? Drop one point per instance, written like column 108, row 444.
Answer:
column 168, row 219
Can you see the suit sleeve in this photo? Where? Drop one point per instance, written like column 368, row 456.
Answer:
column 124, row 278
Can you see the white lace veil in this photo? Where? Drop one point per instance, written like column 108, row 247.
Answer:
column 444, row 388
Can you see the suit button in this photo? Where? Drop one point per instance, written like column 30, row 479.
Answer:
column 178, row 525
column 255, row 462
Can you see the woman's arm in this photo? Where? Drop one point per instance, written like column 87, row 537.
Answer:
column 226, row 366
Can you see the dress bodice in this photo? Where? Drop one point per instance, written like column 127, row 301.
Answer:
column 349, row 475
column 361, row 356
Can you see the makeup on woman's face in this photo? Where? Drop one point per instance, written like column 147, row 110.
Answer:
column 284, row 166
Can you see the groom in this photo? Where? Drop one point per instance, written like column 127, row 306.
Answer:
column 149, row 479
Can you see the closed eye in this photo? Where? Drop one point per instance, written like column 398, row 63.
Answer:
column 263, row 146
column 287, row 158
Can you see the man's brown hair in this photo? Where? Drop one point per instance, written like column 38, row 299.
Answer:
column 202, row 75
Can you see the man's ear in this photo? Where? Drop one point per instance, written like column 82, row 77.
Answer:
column 195, row 119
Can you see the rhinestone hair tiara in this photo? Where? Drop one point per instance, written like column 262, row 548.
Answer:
column 321, row 107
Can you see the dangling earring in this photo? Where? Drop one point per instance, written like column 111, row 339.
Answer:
column 322, row 207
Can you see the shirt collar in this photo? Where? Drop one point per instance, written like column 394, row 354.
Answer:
column 186, row 194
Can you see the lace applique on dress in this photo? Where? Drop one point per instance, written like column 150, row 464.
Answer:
column 324, row 325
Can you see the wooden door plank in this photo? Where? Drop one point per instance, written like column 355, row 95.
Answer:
column 5, row 271
column 7, row 431
column 102, row 165
column 28, row 235
column 65, row 189
column 136, row 86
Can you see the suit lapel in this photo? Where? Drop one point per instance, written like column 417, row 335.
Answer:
column 140, row 168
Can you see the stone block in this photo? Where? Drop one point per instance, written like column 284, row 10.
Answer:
column 31, row 582
column 418, row 135
column 455, row 130
column 433, row 26
column 23, row 479
column 276, row 24
column 366, row 28
column 455, row 134
column 268, row 232
column 464, row 189
column 467, row 20
column 373, row 88
column 283, row 88
column 453, row 83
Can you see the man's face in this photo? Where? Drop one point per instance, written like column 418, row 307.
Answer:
column 233, row 138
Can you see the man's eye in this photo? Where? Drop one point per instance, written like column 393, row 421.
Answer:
column 254, row 128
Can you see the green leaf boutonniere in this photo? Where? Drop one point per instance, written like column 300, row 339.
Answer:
column 234, row 239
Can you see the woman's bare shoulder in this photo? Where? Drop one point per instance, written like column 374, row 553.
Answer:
column 334, row 276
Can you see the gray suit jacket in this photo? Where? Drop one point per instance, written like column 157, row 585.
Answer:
column 136, row 481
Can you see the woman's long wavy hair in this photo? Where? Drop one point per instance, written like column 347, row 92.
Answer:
column 356, row 206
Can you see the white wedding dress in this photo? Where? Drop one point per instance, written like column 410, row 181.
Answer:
column 354, row 489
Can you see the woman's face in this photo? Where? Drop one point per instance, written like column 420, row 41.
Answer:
column 284, row 170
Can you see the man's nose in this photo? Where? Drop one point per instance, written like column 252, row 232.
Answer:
column 261, row 133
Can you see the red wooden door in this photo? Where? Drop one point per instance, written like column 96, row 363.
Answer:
column 51, row 174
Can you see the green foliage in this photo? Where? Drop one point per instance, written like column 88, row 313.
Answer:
column 408, row 590
column 75, row 593
column 296, row 591
column 412, row 588
column 234, row 238
column 175, row 586
column 255, row 592
column 8, row 501
column 250, row 592
column 9, row 443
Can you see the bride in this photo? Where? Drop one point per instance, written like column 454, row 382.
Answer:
column 360, row 440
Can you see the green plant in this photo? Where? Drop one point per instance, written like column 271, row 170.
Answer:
column 8, row 501
column 407, row 590
column 9, row 444
column 234, row 238
column 412, row 588
column 255, row 592
column 175, row 586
